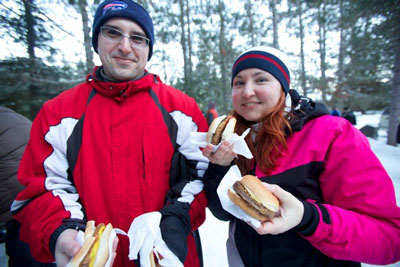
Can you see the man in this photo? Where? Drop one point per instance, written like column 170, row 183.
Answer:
column 114, row 148
column 335, row 112
column 211, row 112
column 349, row 115
column 14, row 135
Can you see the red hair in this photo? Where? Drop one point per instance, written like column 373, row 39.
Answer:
column 270, row 141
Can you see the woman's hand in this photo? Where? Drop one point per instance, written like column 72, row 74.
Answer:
column 223, row 156
column 290, row 212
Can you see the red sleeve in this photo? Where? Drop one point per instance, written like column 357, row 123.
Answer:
column 48, row 197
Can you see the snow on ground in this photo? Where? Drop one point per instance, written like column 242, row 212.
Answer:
column 214, row 232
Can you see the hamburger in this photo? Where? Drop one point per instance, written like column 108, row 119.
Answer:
column 94, row 251
column 221, row 128
column 251, row 196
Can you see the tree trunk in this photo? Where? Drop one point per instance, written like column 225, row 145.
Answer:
column 395, row 103
column 184, row 43
column 189, row 40
column 30, row 26
column 341, row 87
column 31, row 42
column 275, row 43
column 86, row 35
column 322, row 49
column 302, row 57
column 223, row 59
column 249, row 7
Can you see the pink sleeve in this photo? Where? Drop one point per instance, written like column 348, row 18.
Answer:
column 361, row 221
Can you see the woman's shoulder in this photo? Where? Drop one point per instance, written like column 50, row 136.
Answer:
column 333, row 128
column 329, row 122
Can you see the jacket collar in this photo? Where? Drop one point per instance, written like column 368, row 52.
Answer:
column 120, row 90
column 305, row 110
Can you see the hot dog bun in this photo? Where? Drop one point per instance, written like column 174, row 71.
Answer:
column 89, row 230
column 221, row 129
column 153, row 260
column 252, row 197
column 94, row 251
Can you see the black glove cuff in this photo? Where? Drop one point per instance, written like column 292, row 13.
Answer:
column 310, row 220
column 175, row 228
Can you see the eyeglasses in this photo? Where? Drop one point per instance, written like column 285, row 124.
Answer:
column 116, row 36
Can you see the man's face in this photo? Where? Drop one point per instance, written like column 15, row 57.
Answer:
column 121, row 60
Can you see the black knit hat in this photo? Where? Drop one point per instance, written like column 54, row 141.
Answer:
column 268, row 59
column 123, row 9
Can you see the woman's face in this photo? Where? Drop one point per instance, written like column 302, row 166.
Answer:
column 255, row 93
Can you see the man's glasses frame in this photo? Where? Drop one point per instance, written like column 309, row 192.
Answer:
column 116, row 35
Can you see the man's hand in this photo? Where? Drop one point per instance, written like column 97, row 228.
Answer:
column 66, row 247
column 289, row 215
column 223, row 156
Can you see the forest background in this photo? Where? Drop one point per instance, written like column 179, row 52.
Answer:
column 343, row 52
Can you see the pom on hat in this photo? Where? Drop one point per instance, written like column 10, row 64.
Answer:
column 123, row 9
column 266, row 58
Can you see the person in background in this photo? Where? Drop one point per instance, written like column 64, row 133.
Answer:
column 333, row 211
column 335, row 112
column 398, row 134
column 349, row 115
column 113, row 148
column 14, row 135
column 211, row 112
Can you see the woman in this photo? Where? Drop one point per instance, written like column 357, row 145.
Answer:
column 338, row 205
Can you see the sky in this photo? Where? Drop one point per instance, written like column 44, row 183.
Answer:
column 214, row 233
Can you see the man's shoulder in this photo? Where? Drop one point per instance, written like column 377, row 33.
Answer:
column 168, row 91
column 70, row 100
column 78, row 91
column 172, row 99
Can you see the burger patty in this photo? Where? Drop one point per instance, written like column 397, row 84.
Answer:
column 218, row 132
column 242, row 191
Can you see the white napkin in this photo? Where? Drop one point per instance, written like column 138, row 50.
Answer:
column 227, row 182
column 145, row 238
column 80, row 238
column 239, row 144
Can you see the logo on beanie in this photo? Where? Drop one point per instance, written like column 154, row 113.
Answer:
column 115, row 5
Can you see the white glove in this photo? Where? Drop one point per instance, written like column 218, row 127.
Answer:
column 145, row 238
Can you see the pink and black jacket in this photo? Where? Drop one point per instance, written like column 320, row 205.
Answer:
column 110, row 152
column 350, row 215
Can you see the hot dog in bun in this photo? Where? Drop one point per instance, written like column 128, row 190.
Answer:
column 94, row 251
column 221, row 129
column 252, row 196
column 153, row 260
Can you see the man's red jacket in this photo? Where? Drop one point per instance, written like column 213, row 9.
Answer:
column 132, row 156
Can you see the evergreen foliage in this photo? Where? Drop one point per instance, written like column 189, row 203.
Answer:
column 209, row 34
